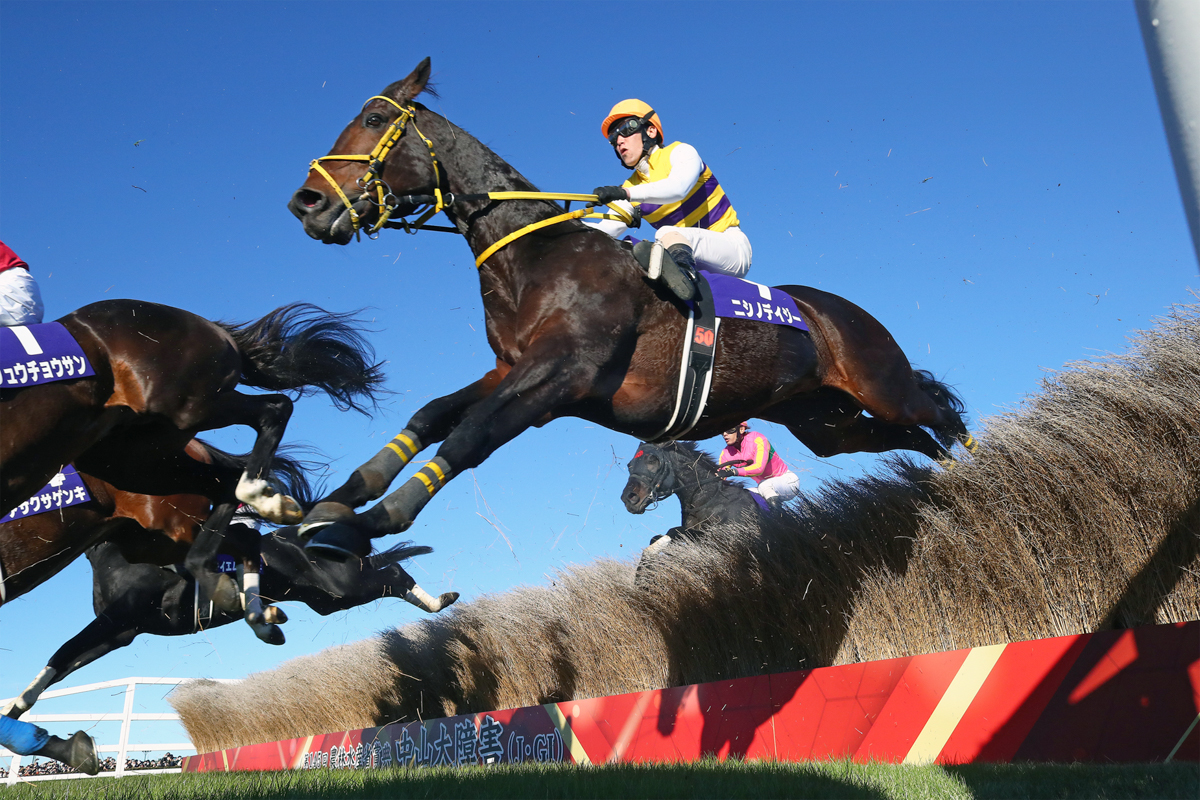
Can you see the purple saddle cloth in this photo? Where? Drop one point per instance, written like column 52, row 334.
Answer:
column 736, row 298
column 64, row 489
column 34, row 354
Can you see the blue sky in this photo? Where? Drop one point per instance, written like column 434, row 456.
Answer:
column 990, row 180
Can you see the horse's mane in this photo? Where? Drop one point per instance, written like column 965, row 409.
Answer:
column 692, row 453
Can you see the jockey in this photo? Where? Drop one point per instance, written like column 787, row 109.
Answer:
column 674, row 191
column 20, row 298
column 748, row 454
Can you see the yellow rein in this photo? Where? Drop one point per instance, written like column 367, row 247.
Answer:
column 371, row 179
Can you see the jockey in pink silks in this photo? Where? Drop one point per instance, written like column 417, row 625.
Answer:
column 748, row 454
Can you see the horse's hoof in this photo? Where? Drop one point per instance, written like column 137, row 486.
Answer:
column 322, row 516
column 226, row 595
column 271, row 634
column 446, row 599
column 78, row 752
column 340, row 543
column 273, row 615
column 290, row 512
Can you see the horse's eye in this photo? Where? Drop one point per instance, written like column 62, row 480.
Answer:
column 373, row 120
column 651, row 463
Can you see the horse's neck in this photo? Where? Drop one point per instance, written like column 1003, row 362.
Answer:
column 471, row 167
column 696, row 490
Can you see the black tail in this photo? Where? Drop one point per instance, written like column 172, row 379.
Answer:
column 302, row 347
column 946, row 398
column 288, row 474
column 398, row 553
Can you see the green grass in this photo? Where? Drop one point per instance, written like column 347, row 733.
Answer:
column 705, row 779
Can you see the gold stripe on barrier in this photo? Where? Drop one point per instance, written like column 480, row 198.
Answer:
column 950, row 709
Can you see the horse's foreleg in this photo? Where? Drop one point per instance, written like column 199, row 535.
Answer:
column 256, row 612
column 428, row 426
column 219, row 587
column 546, row 377
column 533, row 389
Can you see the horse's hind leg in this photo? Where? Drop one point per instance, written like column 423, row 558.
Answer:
column 268, row 415
column 859, row 357
column 829, row 424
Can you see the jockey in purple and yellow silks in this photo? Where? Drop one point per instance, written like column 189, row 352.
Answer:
column 675, row 191
column 748, row 454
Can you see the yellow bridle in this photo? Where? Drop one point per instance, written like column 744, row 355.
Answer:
column 388, row 202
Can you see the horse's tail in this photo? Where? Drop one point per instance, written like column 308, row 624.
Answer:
column 948, row 401
column 302, row 347
column 288, row 473
column 398, row 553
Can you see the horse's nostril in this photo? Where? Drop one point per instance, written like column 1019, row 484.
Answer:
column 309, row 198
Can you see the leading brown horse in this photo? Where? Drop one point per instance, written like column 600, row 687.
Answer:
column 162, row 375
column 579, row 331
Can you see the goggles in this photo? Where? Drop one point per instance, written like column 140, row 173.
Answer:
column 628, row 127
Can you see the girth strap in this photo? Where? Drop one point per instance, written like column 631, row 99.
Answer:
column 695, row 369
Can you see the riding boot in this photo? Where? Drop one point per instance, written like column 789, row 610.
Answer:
column 662, row 264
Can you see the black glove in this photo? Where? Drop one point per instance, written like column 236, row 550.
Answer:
column 726, row 471
column 608, row 194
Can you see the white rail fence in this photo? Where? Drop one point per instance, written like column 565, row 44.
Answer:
column 126, row 717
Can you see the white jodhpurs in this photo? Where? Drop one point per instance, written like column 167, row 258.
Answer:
column 727, row 251
column 20, row 298
column 785, row 487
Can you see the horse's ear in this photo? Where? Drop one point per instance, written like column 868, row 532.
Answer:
column 405, row 90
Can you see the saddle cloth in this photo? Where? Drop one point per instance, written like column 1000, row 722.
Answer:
column 35, row 354
column 737, row 298
column 64, row 489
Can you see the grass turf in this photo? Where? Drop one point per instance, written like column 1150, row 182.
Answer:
column 704, row 779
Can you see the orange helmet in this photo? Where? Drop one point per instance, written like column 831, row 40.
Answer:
column 630, row 108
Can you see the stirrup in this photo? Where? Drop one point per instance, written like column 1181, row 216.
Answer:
column 660, row 266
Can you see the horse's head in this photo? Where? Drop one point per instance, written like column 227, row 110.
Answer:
column 651, row 478
column 380, row 156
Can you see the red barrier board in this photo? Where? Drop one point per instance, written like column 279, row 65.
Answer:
column 1113, row 696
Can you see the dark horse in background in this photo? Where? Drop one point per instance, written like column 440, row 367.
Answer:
column 579, row 331
column 657, row 472
column 162, row 376
column 132, row 599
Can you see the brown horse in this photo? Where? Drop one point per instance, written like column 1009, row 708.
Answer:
column 162, row 375
column 578, row 330
column 148, row 529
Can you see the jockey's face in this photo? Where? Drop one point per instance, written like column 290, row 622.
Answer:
column 733, row 435
column 630, row 148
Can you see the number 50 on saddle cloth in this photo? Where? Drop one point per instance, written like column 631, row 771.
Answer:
column 36, row 354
